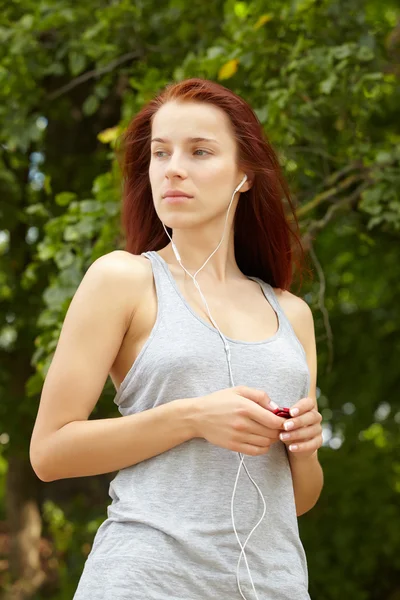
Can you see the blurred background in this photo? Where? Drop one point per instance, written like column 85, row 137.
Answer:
column 323, row 78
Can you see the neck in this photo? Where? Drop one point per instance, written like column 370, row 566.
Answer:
column 195, row 248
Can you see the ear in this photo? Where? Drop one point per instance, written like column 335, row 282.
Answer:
column 242, row 171
column 248, row 183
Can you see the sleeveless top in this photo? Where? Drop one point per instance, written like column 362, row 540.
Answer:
column 168, row 534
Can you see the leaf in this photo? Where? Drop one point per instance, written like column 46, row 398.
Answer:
column 262, row 113
column 383, row 156
column 365, row 54
column 109, row 135
column 215, row 51
column 343, row 51
column 241, row 9
column 77, row 62
column 64, row 258
column 64, row 198
column 71, row 234
column 90, row 105
column 262, row 20
column 90, row 206
column 229, row 69
column 47, row 184
column 327, row 86
column 38, row 210
column 27, row 21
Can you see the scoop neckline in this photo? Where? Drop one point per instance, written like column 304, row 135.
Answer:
column 263, row 285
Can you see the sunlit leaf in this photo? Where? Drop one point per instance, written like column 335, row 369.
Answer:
column 229, row 69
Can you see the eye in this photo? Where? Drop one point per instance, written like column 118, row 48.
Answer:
column 156, row 153
column 201, row 150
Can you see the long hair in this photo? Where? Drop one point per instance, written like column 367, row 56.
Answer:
column 266, row 234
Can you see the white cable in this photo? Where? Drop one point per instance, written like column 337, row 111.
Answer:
column 228, row 354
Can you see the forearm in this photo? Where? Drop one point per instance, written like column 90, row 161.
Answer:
column 308, row 481
column 94, row 447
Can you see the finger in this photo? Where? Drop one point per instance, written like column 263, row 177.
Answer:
column 265, row 432
column 258, row 414
column 302, row 406
column 266, row 418
column 247, row 424
column 250, row 450
column 309, row 418
column 258, row 396
column 308, row 446
column 258, row 440
column 305, row 433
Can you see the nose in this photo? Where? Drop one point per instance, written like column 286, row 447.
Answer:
column 175, row 167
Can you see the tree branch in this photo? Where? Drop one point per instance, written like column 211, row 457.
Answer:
column 94, row 73
column 322, row 306
column 327, row 194
column 347, row 201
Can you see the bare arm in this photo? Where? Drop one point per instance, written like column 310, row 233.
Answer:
column 307, row 473
column 64, row 442
column 99, row 446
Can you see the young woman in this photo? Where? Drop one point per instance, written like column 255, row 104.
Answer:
column 194, row 397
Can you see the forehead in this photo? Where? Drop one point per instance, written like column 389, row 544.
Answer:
column 175, row 120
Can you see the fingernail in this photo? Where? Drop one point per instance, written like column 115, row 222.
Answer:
column 273, row 405
column 288, row 425
column 294, row 411
column 293, row 447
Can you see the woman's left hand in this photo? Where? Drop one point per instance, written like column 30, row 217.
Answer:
column 304, row 437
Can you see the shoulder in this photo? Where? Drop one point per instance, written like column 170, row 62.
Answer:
column 118, row 279
column 123, row 275
column 121, row 268
column 120, row 263
column 293, row 305
column 299, row 314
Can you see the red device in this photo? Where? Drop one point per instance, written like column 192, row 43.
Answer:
column 282, row 412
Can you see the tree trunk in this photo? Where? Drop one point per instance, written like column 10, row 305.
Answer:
column 24, row 519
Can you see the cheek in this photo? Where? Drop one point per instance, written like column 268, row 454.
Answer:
column 215, row 173
column 153, row 172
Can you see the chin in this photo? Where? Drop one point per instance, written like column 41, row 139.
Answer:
column 175, row 220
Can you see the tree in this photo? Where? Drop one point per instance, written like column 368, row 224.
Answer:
column 323, row 78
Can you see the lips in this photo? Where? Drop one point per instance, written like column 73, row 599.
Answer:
column 175, row 194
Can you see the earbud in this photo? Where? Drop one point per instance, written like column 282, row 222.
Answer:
column 240, row 184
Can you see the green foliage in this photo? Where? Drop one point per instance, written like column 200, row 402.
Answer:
column 323, row 79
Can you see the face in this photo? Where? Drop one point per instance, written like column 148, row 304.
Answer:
column 205, row 169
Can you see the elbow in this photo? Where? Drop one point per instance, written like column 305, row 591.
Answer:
column 38, row 466
column 40, row 472
column 303, row 510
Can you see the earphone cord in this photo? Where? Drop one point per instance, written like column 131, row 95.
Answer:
column 228, row 354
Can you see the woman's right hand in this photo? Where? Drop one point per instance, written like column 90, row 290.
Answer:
column 238, row 419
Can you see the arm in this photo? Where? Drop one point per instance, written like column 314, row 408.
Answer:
column 83, row 448
column 308, row 480
column 64, row 442
column 307, row 474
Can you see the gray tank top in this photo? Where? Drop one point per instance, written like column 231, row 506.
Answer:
column 169, row 534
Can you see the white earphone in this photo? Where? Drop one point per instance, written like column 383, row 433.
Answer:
column 228, row 354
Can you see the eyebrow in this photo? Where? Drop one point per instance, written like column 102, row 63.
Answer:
column 190, row 139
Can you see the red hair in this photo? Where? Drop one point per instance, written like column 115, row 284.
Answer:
column 264, row 235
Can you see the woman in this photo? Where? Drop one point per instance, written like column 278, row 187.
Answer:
column 139, row 317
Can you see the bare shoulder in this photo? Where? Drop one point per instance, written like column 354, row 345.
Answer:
column 124, row 268
column 293, row 305
column 123, row 277
column 122, row 263
column 299, row 314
